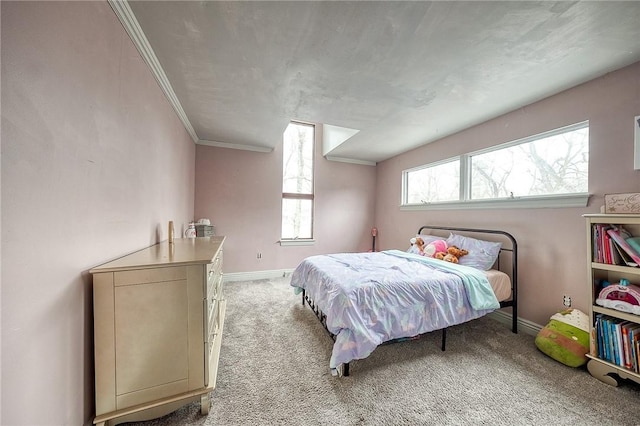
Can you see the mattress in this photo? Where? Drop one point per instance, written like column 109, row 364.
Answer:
column 500, row 283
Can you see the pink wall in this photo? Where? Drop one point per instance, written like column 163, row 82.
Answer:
column 240, row 192
column 94, row 164
column 552, row 258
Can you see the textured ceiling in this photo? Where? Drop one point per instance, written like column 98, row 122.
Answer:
column 402, row 73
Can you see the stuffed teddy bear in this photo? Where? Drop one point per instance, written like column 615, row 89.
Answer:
column 452, row 255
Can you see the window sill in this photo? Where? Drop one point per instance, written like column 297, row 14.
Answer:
column 298, row 242
column 556, row 201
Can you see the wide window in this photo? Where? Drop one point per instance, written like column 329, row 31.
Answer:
column 546, row 166
column 434, row 183
column 297, row 181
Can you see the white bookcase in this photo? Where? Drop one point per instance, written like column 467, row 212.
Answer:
column 598, row 272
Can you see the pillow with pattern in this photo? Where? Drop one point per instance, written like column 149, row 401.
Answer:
column 482, row 254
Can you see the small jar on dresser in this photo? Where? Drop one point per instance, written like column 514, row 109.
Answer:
column 158, row 320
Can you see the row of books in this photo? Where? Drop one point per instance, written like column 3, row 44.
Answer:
column 617, row 341
column 614, row 245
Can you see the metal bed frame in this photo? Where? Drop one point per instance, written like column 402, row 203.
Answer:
column 512, row 303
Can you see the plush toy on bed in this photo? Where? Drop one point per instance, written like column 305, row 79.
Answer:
column 452, row 255
column 432, row 249
column 418, row 244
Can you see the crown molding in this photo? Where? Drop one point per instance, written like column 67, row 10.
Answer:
column 254, row 148
column 350, row 160
column 130, row 23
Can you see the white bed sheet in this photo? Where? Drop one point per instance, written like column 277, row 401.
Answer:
column 500, row 283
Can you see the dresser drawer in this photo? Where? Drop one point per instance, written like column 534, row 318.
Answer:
column 212, row 285
column 216, row 263
column 150, row 275
column 208, row 355
column 214, row 288
column 214, row 271
column 211, row 306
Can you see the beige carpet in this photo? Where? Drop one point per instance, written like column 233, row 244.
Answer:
column 274, row 370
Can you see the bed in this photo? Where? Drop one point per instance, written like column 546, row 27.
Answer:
column 365, row 300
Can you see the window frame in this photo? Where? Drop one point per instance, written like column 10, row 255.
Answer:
column 302, row 196
column 577, row 199
column 405, row 180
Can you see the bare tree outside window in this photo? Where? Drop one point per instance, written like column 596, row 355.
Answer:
column 557, row 164
column 434, row 184
column 552, row 163
column 297, row 181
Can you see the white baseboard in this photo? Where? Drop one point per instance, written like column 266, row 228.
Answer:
column 526, row 326
column 256, row 275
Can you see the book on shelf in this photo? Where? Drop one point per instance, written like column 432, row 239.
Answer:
column 615, row 234
column 616, row 256
column 626, row 344
column 615, row 351
column 637, row 346
column 634, row 335
column 600, row 246
column 604, row 243
column 616, row 337
column 605, row 339
column 617, row 341
column 606, row 250
column 596, row 243
column 596, row 332
column 624, row 257
column 634, row 242
column 608, row 247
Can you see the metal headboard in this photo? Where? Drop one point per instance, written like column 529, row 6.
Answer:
column 513, row 303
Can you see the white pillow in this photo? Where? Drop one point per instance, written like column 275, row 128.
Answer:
column 482, row 254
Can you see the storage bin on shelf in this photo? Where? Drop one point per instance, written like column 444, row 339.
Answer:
column 624, row 296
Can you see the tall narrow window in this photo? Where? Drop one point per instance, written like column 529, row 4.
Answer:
column 297, row 181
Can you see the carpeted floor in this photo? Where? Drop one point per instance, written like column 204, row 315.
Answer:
column 274, row 371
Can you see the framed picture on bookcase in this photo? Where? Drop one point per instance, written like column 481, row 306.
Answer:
column 622, row 203
column 636, row 145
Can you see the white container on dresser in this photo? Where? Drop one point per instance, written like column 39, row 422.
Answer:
column 158, row 319
column 600, row 271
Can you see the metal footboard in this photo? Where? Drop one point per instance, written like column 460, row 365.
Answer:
column 322, row 317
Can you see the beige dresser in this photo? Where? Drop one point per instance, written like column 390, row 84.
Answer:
column 158, row 317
